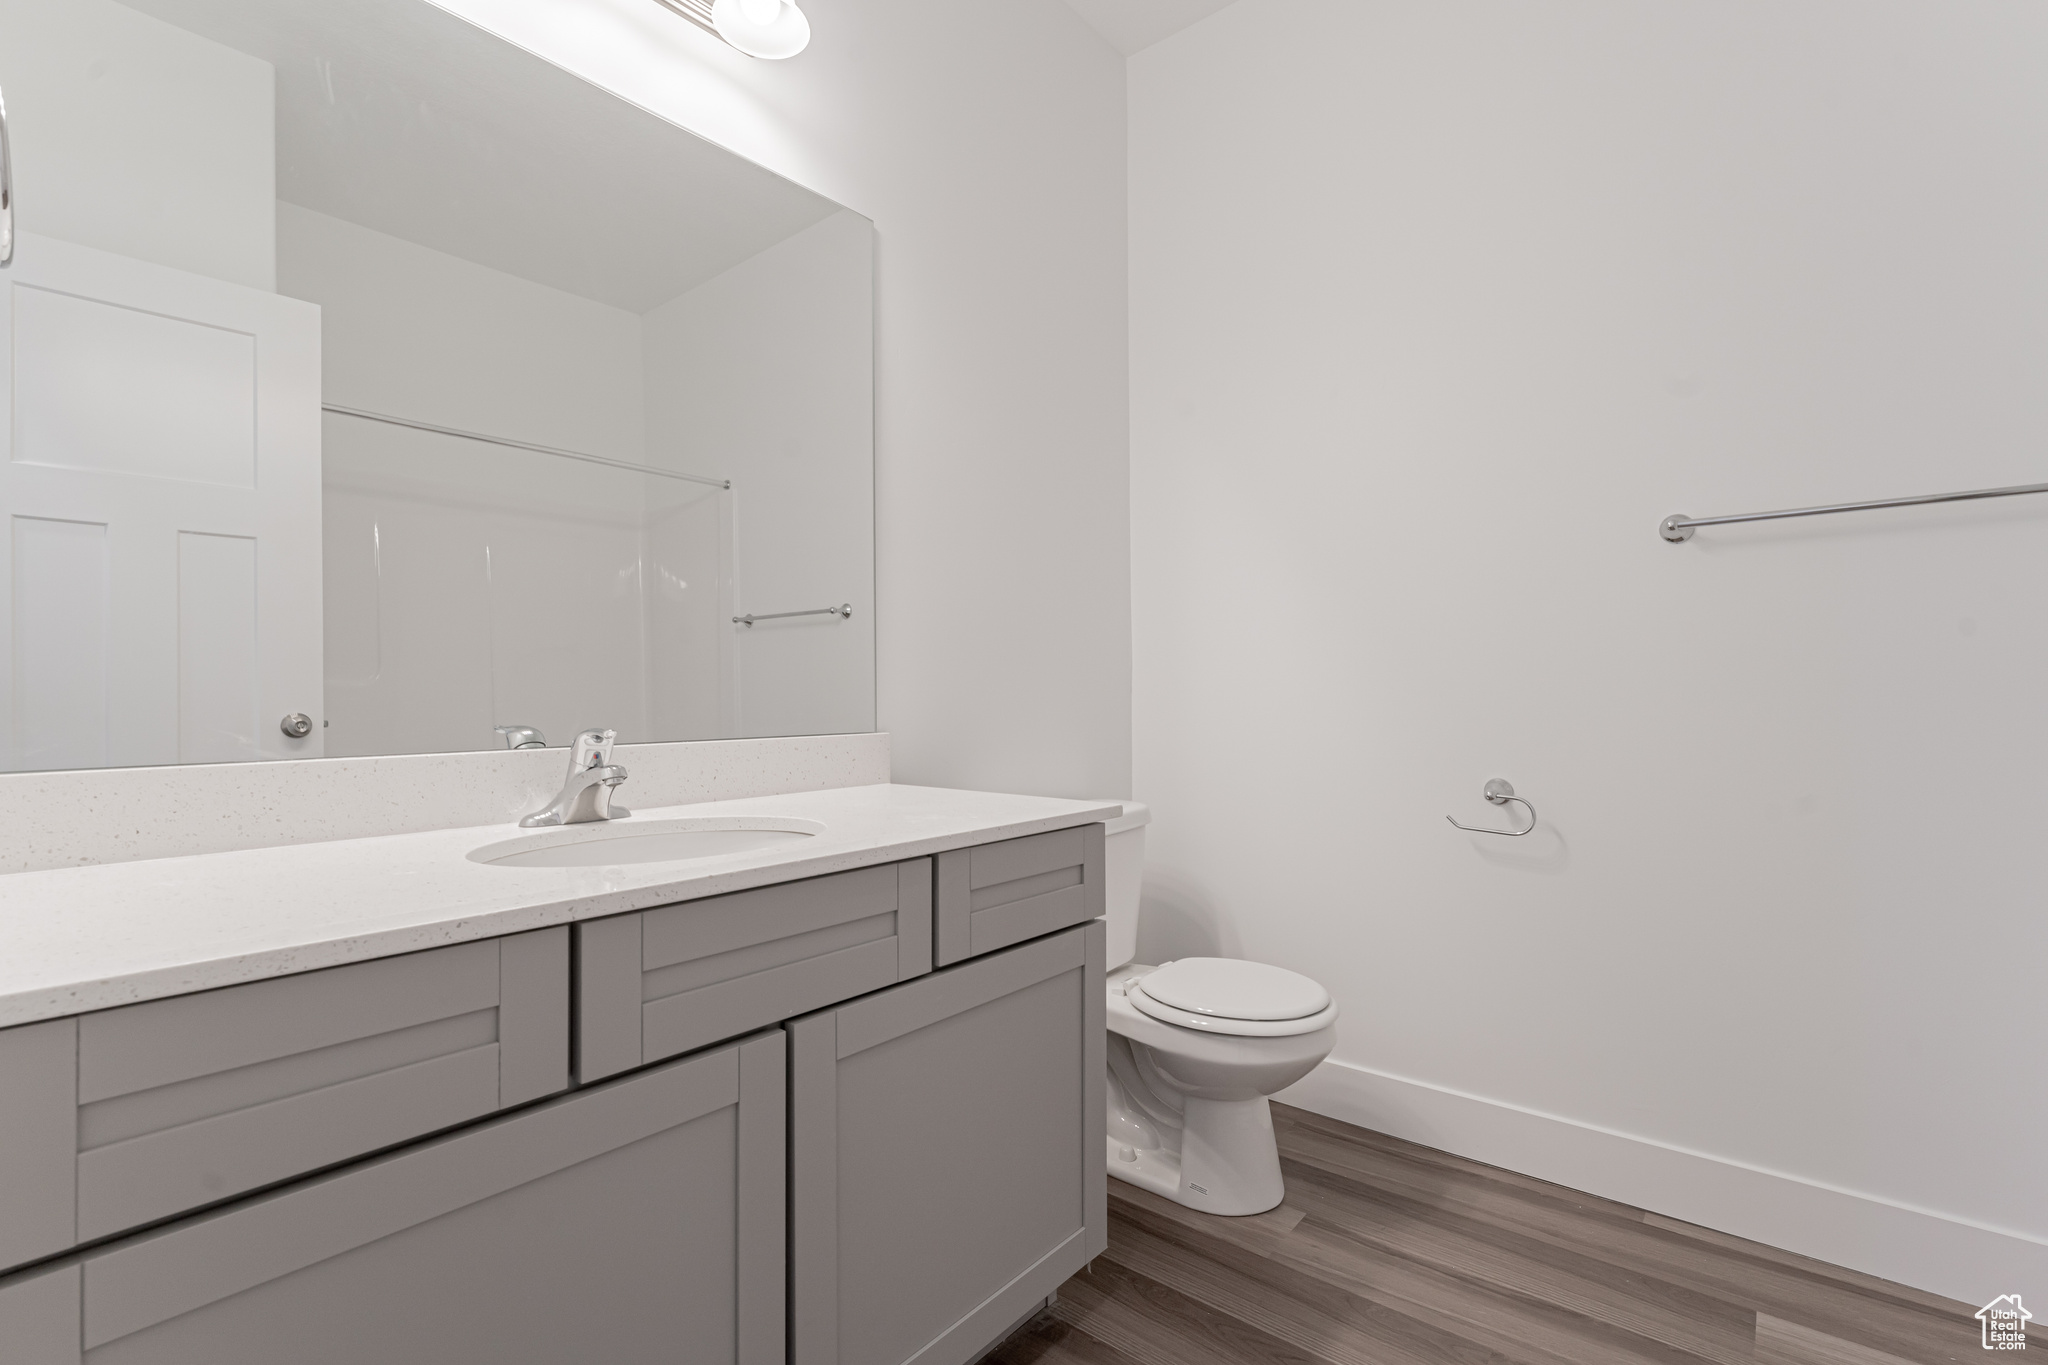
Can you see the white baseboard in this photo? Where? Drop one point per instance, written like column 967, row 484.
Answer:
column 1917, row 1247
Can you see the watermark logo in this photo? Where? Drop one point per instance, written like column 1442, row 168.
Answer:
column 2005, row 1321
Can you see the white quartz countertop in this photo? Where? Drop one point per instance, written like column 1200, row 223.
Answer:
column 78, row 939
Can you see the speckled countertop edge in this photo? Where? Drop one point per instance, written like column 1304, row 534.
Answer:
column 75, row 940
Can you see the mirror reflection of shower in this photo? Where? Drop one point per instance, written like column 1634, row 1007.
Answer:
column 478, row 578
column 336, row 433
column 483, row 592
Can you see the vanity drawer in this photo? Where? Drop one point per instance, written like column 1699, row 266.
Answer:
column 658, row 983
column 637, row 1221
column 131, row 1115
column 995, row 895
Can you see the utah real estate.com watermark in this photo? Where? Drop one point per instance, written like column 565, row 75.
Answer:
column 2005, row 1321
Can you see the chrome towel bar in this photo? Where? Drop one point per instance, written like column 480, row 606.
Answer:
column 844, row 611
column 1678, row 526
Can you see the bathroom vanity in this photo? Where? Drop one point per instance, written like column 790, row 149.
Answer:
column 836, row 1101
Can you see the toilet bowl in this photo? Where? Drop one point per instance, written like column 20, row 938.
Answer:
column 1195, row 1047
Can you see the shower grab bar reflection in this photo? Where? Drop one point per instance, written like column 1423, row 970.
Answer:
column 605, row 460
column 1679, row 527
column 844, row 611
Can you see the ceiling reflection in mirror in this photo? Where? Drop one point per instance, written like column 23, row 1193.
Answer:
column 367, row 368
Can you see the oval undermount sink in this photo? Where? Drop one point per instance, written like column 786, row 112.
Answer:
column 626, row 842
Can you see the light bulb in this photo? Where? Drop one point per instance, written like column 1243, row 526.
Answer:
column 762, row 28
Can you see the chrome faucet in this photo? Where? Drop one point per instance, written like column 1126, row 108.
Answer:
column 587, row 794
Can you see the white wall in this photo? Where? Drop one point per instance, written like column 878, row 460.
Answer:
column 765, row 375
column 136, row 137
column 986, row 143
column 1433, row 320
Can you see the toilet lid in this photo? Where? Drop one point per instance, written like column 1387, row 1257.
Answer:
column 1229, row 988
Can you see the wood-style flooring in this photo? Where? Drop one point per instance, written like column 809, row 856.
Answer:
column 1386, row 1253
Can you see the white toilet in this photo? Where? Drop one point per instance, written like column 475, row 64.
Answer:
column 1195, row 1047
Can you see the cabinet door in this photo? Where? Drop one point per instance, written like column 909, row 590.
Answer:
column 637, row 1221
column 946, row 1160
column 129, row 1116
column 993, row 895
column 38, row 1140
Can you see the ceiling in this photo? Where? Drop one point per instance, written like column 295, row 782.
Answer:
column 1133, row 25
column 410, row 121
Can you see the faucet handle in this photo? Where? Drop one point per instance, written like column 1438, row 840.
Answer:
column 522, row 737
column 593, row 749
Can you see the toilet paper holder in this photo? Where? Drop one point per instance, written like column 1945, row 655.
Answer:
column 1500, row 791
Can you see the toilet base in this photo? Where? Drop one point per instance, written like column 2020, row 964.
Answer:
column 1187, row 1110
column 1226, row 1163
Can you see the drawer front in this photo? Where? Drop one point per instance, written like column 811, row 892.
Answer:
column 178, row 1103
column 659, row 983
column 995, row 895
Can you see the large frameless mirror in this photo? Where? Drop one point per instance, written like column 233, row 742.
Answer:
column 376, row 387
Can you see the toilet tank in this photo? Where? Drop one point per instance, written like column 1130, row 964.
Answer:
column 1123, row 856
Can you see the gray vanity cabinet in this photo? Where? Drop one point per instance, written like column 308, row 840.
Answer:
column 994, row 895
column 315, row 1168
column 658, row 983
column 39, row 1316
column 946, row 1155
column 125, row 1117
column 638, row 1221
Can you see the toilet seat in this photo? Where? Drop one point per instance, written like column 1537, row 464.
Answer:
column 1233, row 997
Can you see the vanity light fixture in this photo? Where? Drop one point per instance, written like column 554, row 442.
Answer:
column 760, row 28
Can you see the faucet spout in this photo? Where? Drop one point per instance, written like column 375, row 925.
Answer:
column 586, row 794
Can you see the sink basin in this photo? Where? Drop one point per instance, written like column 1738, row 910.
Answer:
column 623, row 843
